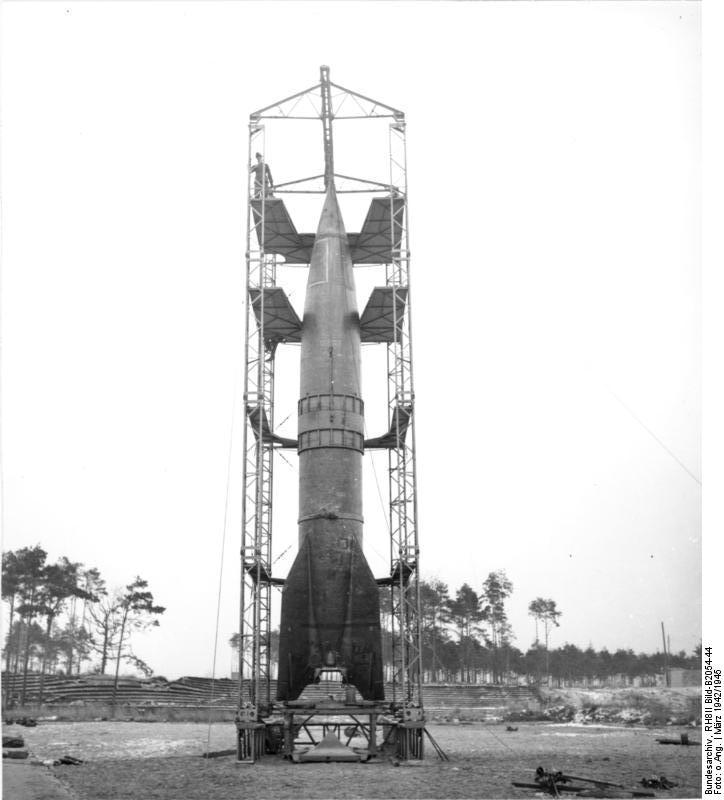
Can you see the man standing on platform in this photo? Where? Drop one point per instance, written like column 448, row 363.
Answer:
column 263, row 183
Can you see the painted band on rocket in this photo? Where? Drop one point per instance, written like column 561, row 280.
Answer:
column 330, row 515
column 343, row 438
column 331, row 402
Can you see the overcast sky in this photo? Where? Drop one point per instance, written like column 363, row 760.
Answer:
column 554, row 194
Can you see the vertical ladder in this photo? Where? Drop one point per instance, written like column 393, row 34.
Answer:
column 258, row 466
column 404, row 547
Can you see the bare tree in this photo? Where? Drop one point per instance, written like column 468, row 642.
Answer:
column 106, row 624
column 77, row 636
column 136, row 611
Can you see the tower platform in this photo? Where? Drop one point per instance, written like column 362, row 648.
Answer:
column 376, row 243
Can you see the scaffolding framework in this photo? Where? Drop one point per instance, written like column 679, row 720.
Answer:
column 258, row 466
column 404, row 546
column 270, row 320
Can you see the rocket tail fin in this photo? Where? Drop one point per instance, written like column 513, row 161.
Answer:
column 330, row 620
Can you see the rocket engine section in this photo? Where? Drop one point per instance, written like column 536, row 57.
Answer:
column 330, row 616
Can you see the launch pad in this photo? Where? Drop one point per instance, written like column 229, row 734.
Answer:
column 330, row 605
column 303, row 734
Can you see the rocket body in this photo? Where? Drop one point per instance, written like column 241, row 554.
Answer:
column 330, row 605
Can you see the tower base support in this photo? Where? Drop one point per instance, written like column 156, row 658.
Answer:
column 324, row 732
column 250, row 739
column 409, row 740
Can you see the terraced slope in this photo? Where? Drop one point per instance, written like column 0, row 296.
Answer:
column 486, row 700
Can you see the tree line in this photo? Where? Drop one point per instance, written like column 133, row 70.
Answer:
column 63, row 619
column 466, row 637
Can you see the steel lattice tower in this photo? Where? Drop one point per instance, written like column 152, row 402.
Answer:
column 270, row 321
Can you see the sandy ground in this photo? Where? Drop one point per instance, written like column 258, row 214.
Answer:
column 22, row 781
column 160, row 761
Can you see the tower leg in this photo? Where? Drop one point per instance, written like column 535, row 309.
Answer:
column 249, row 741
column 372, row 744
column 410, row 741
column 288, row 735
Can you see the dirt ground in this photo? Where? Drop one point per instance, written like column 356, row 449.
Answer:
column 161, row 761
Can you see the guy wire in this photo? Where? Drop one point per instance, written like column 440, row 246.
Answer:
column 221, row 562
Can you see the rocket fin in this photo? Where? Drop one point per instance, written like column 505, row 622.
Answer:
column 331, row 619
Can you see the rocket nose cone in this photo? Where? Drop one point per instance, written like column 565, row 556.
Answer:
column 330, row 222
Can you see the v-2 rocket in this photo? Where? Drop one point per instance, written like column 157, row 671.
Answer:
column 330, row 617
